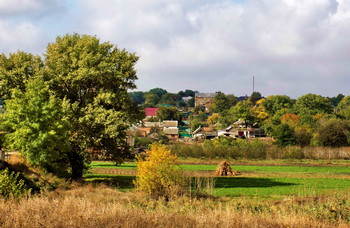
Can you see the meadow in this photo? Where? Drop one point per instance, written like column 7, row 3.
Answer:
column 264, row 194
column 259, row 180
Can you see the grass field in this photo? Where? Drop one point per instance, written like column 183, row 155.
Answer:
column 263, row 195
column 266, row 181
column 256, row 168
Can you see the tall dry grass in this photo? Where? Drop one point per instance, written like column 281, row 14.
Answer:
column 101, row 206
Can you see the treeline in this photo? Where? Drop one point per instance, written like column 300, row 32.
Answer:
column 310, row 119
column 157, row 96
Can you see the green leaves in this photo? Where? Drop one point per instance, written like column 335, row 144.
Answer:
column 73, row 102
column 313, row 104
column 11, row 186
column 16, row 70
column 37, row 124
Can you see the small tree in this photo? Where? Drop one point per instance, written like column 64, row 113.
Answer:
column 284, row 135
column 157, row 174
column 11, row 186
column 168, row 113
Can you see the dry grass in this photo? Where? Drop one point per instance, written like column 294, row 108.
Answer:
column 15, row 158
column 87, row 206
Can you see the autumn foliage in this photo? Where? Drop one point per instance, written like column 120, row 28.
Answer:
column 157, row 173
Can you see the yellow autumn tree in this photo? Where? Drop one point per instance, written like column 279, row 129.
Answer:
column 158, row 175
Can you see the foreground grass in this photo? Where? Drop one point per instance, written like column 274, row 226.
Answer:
column 101, row 206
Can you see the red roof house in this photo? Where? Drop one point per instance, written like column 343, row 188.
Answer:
column 151, row 112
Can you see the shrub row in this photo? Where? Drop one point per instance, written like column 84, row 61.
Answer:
column 255, row 149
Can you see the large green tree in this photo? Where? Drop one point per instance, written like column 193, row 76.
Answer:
column 343, row 108
column 335, row 100
column 273, row 104
column 138, row 97
column 242, row 110
column 222, row 102
column 168, row 113
column 93, row 78
column 159, row 92
column 255, row 97
column 313, row 104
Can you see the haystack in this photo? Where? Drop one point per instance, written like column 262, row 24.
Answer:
column 224, row 169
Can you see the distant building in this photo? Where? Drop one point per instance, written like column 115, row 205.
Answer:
column 151, row 112
column 186, row 99
column 171, row 132
column 204, row 99
column 169, row 127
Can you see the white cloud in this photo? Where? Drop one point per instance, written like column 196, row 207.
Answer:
column 292, row 47
column 28, row 7
column 23, row 36
column 217, row 45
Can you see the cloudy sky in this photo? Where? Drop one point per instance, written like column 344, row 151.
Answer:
column 292, row 47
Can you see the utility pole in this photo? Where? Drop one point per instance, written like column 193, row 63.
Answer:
column 253, row 83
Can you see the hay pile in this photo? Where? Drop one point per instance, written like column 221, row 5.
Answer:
column 224, row 169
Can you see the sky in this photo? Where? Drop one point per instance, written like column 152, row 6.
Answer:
column 291, row 47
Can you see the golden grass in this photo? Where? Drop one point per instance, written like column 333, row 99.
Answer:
column 87, row 206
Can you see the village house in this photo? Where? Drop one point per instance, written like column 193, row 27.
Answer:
column 241, row 129
column 204, row 133
column 204, row 99
column 150, row 112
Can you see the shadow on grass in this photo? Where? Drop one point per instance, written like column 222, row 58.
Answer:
column 245, row 182
column 123, row 182
column 113, row 165
column 126, row 182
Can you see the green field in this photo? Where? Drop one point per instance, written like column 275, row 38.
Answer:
column 245, row 168
column 254, row 181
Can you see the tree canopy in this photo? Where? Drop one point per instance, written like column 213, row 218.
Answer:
column 313, row 104
column 343, row 107
column 40, row 126
column 242, row 110
column 92, row 78
column 168, row 113
column 277, row 102
column 16, row 70
column 222, row 102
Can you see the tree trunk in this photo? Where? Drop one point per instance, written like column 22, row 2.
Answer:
column 76, row 161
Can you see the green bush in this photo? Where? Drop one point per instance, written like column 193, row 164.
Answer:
column 334, row 133
column 254, row 149
column 285, row 135
column 11, row 186
column 142, row 142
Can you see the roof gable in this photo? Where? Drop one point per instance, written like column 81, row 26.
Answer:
column 151, row 111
